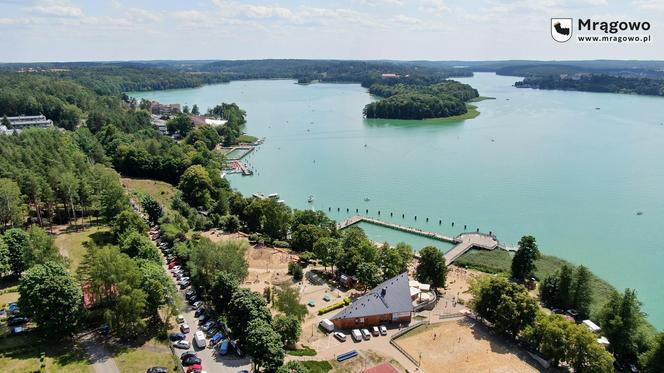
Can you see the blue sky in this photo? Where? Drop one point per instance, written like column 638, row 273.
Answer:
column 88, row 30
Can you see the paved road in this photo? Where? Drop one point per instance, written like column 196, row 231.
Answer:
column 101, row 358
column 211, row 361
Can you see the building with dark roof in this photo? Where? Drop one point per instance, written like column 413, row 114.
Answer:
column 389, row 302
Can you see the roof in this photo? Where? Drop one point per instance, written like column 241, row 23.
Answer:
column 382, row 368
column 391, row 296
column 591, row 325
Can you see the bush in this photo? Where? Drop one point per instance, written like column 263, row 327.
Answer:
column 282, row 244
column 304, row 351
column 346, row 301
column 296, row 271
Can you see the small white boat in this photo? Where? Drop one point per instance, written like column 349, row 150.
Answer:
column 273, row 195
column 310, row 199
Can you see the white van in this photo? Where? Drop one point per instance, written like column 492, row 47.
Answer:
column 327, row 325
column 357, row 336
column 199, row 338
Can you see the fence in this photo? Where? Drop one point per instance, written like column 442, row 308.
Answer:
column 402, row 332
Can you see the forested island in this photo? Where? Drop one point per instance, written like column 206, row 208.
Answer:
column 414, row 100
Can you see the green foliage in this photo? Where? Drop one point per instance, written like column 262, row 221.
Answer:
column 304, row 351
column 431, row 268
column 232, row 130
column 195, row 110
column 323, row 366
column 357, row 248
column 523, row 263
column 206, row 134
column 152, row 208
column 293, row 366
column 296, row 271
column 506, row 305
column 596, row 83
column 288, row 327
column 223, row 287
column 41, row 248
column 247, row 306
column 326, row 250
column 12, row 209
column 622, row 321
column 126, row 222
column 207, row 259
column 369, row 274
column 180, row 125
column 346, row 301
column 196, row 186
column 137, row 245
column 287, row 300
column 5, row 259
column 395, row 260
column 264, row 346
column 112, row 199
column 17, row 242
column 52, row 298
column 157, row 286
column 305, row 236
column 230, row 223
column 268, row 217
column 653, row 360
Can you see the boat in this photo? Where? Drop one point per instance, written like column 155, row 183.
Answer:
column 273, row 196
column 259, row 195
column 310, row 199
column 367, row 199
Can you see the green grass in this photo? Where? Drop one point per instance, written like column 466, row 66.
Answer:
column 500, row 262
column 74, row 245
column 23, row 354
column 481, row 98
column 304, row 351
column 247, row 139
column 152, row 353
column 159, row 190
column 317, row 366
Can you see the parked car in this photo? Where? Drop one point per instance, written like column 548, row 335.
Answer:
column 340, row 336
column 189, row 293
column 176, row 336
column 375, row 331
column 187, row 354
column 193, row 299
column 212, row 331
column 223, row 348
column 17, row 320
column 199, row 312
column 206, row 325
column 365, row 334
column 216, row 338
column 185, row 285
column 326, row 325
column 196, row 368
column 202, row 319
column 184, row 328
column 185, row 345
column 383, row 330
column 196, row 305
column 356, row 334
column 200, row 340
column 157, row 370
column 179, row 319
column 190, row 360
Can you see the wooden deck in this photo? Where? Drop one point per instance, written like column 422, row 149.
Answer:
column 462, row 243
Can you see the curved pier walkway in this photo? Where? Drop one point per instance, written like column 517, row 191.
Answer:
column 462, row 243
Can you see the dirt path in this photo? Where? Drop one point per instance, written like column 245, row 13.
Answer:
column 100, row 357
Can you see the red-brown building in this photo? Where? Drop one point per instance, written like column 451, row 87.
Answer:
column 388, row 302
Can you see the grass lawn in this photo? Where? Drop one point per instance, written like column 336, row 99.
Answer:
column 9, row 295
column 159, row 190
column 23, row 354
column 74, row 245
column 247, row 139
column 317, row 366
column 500, row 261
column 152, row 353
column 304, row 351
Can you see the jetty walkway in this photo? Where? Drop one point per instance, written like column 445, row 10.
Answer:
column 462, row 243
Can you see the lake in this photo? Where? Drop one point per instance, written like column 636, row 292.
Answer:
column 544, row 163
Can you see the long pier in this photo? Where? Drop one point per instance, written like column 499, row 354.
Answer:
column 462, row 243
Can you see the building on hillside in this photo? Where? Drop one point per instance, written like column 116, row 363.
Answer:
column 389, row 302
column 390, row 75
column 200, row 120
column 29, row 121
column 164, row 109
column 159, row 123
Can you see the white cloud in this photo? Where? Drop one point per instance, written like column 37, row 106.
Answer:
column 434, row 6
column 137, row 15
column 381, row 2
column 657, row 5
column 57, row 8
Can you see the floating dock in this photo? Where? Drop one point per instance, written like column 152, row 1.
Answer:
column 462, row 243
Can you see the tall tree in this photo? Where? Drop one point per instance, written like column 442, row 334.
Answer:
column 112, row 198
column 157, row 286
column 152, row 208
column 195, row 110
column 224, row 285
column 247, row 306
column 369, row 274
column 431, row 268
column 565, row 294
column 196, row 186
column 207, row 259
column 523, row 263
column 621, row 320
column 395, row 260
column 325, row 250
column 293, row 366
column 288, row 327
column 287, row 300
column 138, row 245
column 653, row 360
column 12, row 207
column 18, row 243
column 264, row 346
column 582, row 292
column 52, row 298
column 126, row 222
column 5, row 261
column 41, row 248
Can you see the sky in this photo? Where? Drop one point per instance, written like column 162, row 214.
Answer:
column 111, row 30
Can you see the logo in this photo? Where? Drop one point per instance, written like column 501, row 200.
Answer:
column 561, row 29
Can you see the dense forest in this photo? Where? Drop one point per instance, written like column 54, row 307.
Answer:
column 417, row 101
column 596, row 83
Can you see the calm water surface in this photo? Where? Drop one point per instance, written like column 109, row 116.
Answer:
column 546, row 163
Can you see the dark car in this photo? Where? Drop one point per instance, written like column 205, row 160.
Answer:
column 16, row 321
column 157, row 370
column 104, row 329
column 191, row 360
column 199, row 312
column 176, row 336
column 188, row 354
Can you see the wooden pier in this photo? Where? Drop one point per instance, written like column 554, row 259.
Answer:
column 462, row 243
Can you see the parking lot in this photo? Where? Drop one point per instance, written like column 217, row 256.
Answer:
column 211, row 360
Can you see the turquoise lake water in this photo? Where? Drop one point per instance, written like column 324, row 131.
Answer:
column 545, row 163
